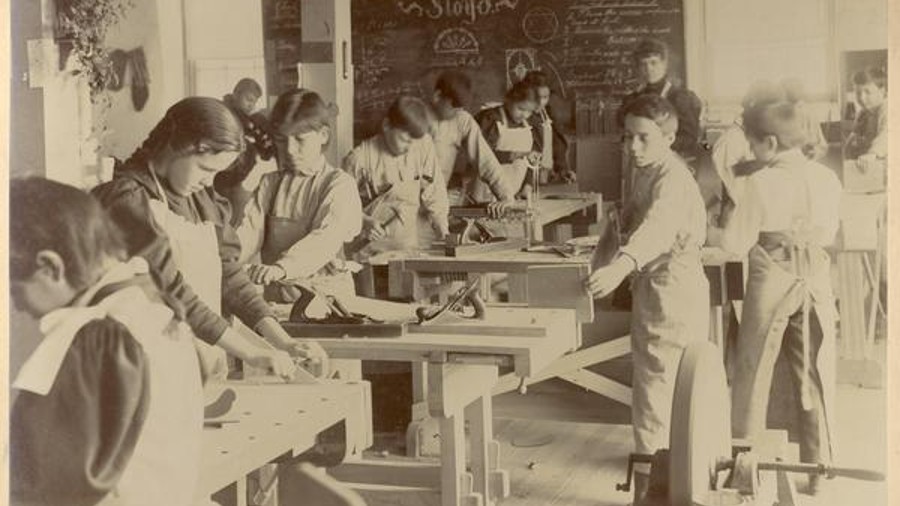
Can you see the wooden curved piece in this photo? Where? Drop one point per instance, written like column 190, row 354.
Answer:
column 701, row 424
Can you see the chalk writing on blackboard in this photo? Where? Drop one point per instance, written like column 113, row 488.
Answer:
column 373, row 64
column 377, row 100
column 549, row 67
column 467, row 10
column 518, row 63
column 456, row 47
column 540, row 25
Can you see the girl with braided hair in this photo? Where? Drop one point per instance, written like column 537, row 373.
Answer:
column 162, row 198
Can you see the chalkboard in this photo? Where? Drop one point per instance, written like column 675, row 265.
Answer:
column 585, row 46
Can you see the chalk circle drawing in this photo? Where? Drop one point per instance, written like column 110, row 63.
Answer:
column 518, row 63
column 453, row 41
column 540, row 25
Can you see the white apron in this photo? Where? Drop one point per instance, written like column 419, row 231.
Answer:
column 512, row 139
column 195, row 250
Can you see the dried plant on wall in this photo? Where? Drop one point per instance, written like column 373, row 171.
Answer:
column 81, row 28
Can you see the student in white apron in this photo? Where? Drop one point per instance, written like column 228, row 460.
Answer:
column 651, row 57
column 787, row 217
column 398, row 179
column 664, row 220
column 163, row 201
column 553, row 155
column 299, row 217
column 108, row 408
column 515, row 142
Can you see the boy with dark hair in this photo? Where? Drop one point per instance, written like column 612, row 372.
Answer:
column 652, row 60
column 664, row 220
column 397, row 174
column 787, row 216
column 456, row 133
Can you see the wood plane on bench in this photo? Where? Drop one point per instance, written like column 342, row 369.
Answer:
column 462, row 244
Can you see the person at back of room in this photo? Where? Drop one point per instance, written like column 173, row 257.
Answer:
column 664, row 220
column 651, row 57
column 553, row 142
column 458, row 140
column 868, row 143
column 787, row 217
column 108, row 408
column 162, row 198
column 237, row 181
column 300, row 216
column 398, row 177
column 516, row 143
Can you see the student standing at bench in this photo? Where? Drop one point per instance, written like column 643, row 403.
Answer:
column 162, row 199
column 514, row 140
column 652, row 60
column 665, row 222
column 457, row 137
column 397, row 176
column 788, row 215
column 300, row 217
column 108, row 407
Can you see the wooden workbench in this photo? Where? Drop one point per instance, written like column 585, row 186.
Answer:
column 408, row 277
column 277, row 420
column 460, row 372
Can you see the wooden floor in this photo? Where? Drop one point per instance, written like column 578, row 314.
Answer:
column 580, row 463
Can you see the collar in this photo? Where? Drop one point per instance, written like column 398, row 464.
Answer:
column 59, row 327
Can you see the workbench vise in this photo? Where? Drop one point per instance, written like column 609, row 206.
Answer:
column 702, row 466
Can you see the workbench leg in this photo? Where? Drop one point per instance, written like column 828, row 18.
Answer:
column 456, row 484
column 518, row 287
column 716, row 325
column 422, row 429
column 490, row 481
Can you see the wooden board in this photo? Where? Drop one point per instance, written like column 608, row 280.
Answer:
column 477, row 328
column 504, row 245
column 561, row 286
column 341, row 330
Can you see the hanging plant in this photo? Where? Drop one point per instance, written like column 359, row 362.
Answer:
column 81, row 28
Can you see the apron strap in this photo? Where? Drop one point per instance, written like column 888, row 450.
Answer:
column 271, row 206
column 162, row 192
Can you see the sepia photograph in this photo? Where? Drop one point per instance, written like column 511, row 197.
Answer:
column 448, row 253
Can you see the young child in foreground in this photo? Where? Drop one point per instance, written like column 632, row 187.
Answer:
column 109, row 405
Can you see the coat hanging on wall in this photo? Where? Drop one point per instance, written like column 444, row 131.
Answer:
column 140, row 79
